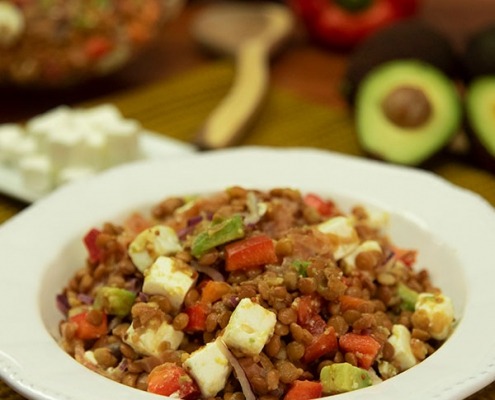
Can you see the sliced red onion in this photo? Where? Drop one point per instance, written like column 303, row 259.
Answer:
column 211, row 272
column 239, row 372
column 85, row 298
column 62, row 303
column 194, row 220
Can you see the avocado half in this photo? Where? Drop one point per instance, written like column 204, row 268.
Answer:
column 408, row 39
column 480, row 119
column 479, row 66
column 406, row 111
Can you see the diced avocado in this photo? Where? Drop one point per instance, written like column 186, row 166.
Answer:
column 407, row 296
column 114, row 301
column 411, row 39
column 406, row 112
column 343, row 377
column 218, row 233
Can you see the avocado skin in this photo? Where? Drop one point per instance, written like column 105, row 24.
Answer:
column 408, row 39
column 479, row 55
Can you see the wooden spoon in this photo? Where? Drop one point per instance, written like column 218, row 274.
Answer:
column 251, row 32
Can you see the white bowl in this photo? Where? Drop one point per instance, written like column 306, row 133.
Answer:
column 453, row 229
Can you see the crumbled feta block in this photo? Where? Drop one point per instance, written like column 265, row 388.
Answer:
column 12, row 23
column 250, row 327
column 147, row 341
column 342, row 234
column 349, row 261
column 159, row 240
column 37, row 173
column 401, row 342
column 439, row 312
column 210, row 368
column 170, row 278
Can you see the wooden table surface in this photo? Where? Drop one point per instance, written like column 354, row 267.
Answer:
column 303, row 68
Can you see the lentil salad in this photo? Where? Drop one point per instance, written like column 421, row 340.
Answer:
column 58, row 42
column 288, row 295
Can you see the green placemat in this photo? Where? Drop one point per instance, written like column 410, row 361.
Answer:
column 178, row 106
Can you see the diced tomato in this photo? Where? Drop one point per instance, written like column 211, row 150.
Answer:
column 408, row 257
column 97, row 46
column 250, row 252
column 86, row 329
column 307, row 307
column 304, row 390
column 213, row 291
column 89, row 240
column 325, row 208
column 364, row 347
column 169, row 379
column 351, row 302
column 323, row 344
column 197, row 314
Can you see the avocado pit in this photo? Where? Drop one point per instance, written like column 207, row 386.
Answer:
column 407, row 107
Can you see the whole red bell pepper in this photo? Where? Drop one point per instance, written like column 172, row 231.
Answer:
column 342, row 24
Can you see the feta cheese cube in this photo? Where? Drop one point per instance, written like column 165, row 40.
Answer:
column 401, row 342
column 37, row 173
column 41, row 126
column 170, row 278
column 159, row 240
column 340, row 230
column 99, row 116
column 250, row 327
column 349, row 261
column 63, row 147
column 123, row 137
column 210, row 368
column 14, row 144
column 72, row 174
column 147, row 341
column 438, row 310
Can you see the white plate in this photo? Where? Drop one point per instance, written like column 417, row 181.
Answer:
column 152, row 145
column 453, row 229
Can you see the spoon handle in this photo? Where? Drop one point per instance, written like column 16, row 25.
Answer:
column 237, row 110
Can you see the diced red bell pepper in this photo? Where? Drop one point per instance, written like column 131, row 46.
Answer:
column 408, row 257
column 304, row 390
column 351, row 302
column 213, row 291
column 364, row 347
column 249, row 253
column 97, row 47
column 169, row 379
column 86, row 330
column 324, row 344
column 89, row 240
column 326, row 208
column 197, row 314
column 308, row 306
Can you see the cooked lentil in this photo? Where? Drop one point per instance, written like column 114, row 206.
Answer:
column 317, row 299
